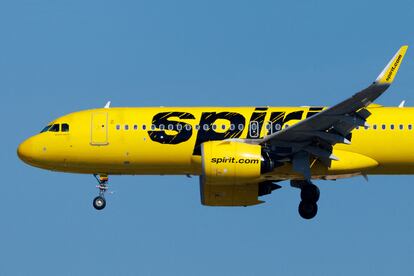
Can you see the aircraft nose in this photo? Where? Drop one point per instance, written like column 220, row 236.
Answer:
column 25, row 151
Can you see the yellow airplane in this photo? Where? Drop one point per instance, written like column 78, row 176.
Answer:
column 240, row 153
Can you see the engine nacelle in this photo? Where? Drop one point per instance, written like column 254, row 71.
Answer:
column 231, row 163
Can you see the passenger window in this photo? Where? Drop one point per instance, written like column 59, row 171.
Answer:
column 214, row 127
column 205, row 127
column 366, row 127
column 374, row 126
column 384, row 127
column 269, row 127
column 277, row 127
column 197, row 127
column 135, row 127
column 118, row 127
column 54, row 128
column 223, row 127
column 126, row 127
column 144, row 127
column 232, row 127
column 401, row 127
column 241, row 126
column 391, row 126
column 162, row 127
column 410, row 127
column 152, row 127
column 188, row 127
column 179, row 127
column 65, row 128
column 170, row 127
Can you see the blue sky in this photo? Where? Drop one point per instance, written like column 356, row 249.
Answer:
column 62, row 56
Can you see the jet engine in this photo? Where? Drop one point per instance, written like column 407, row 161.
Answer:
column 232, row 163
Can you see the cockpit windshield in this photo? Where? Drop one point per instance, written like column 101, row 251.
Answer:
column 46, row 128
column 65, row 128
column 56, row 128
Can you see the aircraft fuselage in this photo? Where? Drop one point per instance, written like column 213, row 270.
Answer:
column 166, row 140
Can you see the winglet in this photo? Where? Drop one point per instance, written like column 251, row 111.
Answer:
column 388, row 73
column 108, row 104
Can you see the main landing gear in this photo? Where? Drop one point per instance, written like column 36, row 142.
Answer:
column 309, row 194
column 99, row 202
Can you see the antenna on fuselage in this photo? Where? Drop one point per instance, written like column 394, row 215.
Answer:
column 107, row 104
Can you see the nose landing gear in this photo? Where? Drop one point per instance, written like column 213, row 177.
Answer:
column 99, row 202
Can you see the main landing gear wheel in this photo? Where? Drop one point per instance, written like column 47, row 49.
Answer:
column 99, row 202
column 309, row 194
column 308, row 210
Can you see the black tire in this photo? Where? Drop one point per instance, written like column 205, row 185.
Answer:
column 99, row 203
column 308, row 210
column 310, row 193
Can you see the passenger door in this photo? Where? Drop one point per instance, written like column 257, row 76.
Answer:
column 99, row 129
column 254, row 130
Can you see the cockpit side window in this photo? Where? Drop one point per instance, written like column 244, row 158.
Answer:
column 54, row 128
column 65, row 128
column 46, row 128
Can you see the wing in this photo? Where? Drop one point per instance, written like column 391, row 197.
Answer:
column 316, row 135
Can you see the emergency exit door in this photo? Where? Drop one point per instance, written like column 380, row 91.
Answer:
column 99, row 129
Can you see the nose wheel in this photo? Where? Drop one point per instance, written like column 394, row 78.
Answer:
column 99, row 202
